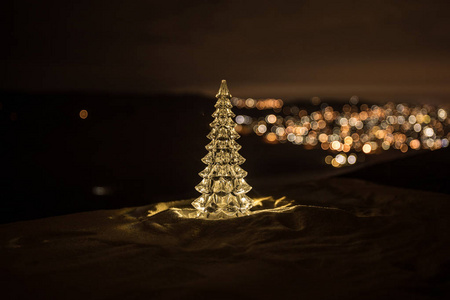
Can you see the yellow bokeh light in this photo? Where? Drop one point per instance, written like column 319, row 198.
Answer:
column 334, row 163
column 335, row 145
column 363, row 115
column 280, row 131
column 420, row 118
column 367, row 129
column 271, row 137
column 367, row 148
column 415, row 144
column 428, row 132
column 250, row 102
column 404, row 148
column 325, row 146
column 323, row 137
column 385, row 145
column 321, row 124
column 271, row 119
column 343, row 121
column 262, row 128
column 374, row 146
column 442, row 114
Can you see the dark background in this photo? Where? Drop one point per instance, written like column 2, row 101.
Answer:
column 375, row 49
column 147, row 71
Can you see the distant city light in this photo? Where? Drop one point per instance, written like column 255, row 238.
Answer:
column 367, row 129
column 367, row 148
column 250, row 103
column 271, row 119
column 271, row 137
column 240, row 119
column 442, row 114
column 341, row 159
column 83, row 114
column 262, row 128
column 351, row 159
column 428, row 132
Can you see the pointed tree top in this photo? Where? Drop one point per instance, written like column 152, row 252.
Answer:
column 223, row 90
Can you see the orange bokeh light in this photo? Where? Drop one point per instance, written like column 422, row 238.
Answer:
column 83, row 114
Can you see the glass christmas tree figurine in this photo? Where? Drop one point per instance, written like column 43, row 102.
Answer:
column 223, row 187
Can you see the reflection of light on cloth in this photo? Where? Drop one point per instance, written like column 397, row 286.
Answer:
column 260, row 205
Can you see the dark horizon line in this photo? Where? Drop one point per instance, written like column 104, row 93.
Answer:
column 98, row 93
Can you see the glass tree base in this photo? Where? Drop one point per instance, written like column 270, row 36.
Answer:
column 214, row 206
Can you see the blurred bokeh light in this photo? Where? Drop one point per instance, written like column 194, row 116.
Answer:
column 347, row 131
column 83, row 114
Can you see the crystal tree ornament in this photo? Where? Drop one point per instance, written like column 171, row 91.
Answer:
column 223, row 187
